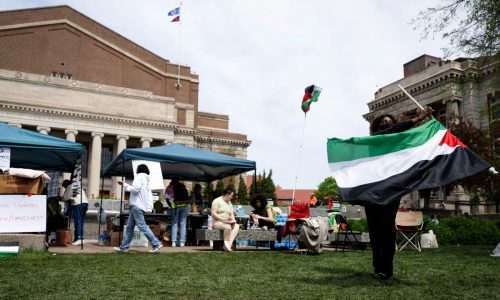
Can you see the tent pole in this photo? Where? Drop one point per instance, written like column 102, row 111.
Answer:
column 255, row 181
column 121, row 204
column 81, row 198
column 101, row 211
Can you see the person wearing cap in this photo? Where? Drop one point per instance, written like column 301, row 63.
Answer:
column 78, row 206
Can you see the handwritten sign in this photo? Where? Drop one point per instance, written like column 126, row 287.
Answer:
column 22, row 213
column 155, row 173
column 4, row 158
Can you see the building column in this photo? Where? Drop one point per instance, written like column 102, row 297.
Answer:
column 120, row 145
column 16, row 125
column 146, row 142
column 43, row 129
column 167, row 142
column 70, row 136
column 452, row 110
column 95, row 164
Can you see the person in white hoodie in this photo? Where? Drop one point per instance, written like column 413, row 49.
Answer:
column 77, row 206
column 141, row 201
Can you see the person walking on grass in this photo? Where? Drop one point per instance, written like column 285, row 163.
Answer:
column 141, row 201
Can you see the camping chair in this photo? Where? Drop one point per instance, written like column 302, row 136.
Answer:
column 409, row 226
column 298, row 211
column 348, row 237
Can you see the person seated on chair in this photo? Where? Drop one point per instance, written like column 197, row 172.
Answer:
column 262, row 213
column 223, row 218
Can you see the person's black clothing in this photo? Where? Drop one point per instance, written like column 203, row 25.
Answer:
column 381, row 219
column 381, row 226
column 394, row 127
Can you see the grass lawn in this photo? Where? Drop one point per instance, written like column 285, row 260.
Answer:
column 450, row 272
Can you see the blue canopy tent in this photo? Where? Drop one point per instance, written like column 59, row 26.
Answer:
column 32, row 150
column 38, row 151
column 186, row 163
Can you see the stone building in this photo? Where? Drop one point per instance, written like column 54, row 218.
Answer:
column 462, row 87
column 64, row 74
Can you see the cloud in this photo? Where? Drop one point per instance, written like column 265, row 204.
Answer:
column 255, row 58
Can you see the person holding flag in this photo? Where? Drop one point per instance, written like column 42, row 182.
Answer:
column 381, row 219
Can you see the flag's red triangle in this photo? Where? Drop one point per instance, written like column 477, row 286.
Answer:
column 176, row 19
column 451, row 140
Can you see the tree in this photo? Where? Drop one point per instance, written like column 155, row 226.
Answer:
column 264, row 185
column 242, row 191
column 208, row 192
column 230, row 184
column 471, row 26
column 219, row 187
column 328, row 188
column 484, row 184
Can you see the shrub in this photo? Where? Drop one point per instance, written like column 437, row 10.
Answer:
column 466, row 231
column 358, row 225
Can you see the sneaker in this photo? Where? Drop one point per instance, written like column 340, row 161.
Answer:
column 156, row 249
column 120, row 249
column 77, row 243
column 182, row 244
column 174, row 245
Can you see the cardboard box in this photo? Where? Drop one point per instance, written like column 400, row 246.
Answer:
column 156, row 229
column 20, row 185
column 63, row 237
column 114, row 241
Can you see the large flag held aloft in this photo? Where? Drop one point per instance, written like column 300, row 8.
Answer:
column 381, row 169
column 311, row 95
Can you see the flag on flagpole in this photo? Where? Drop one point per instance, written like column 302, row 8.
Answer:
column 176, row 19
column 381, row 169
column 311, row 95
column 174, row 12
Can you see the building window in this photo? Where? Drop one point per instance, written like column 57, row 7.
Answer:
column 106, row 156
column 53, row 74
column 495, row 108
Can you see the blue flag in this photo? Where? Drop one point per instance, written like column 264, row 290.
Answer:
column 174, row 12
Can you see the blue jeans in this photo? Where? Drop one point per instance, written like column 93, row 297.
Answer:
column 179, row 214
column 79, row 213
column 136, row 218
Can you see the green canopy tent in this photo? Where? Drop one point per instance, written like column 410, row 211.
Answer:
column 186, row 163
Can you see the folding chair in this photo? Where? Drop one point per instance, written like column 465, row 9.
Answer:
column 345, row 231
column 409, row 226
column 298, row 211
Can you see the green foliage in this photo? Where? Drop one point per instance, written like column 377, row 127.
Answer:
column 466, row 231
column 358, row 225
column 470, row 26
column 230, row 184
column 484, row 184
column 265, row 185
column 219, row 187
column 242, row 191
column 208, row 192
column 328, row 188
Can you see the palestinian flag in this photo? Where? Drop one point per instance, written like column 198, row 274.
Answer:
column 9, row 248
column 381, row 169
column 311, row 95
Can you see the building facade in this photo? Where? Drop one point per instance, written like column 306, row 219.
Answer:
column 460, row 89
column 63, row 74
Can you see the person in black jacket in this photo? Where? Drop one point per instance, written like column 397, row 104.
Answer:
column 381, row 219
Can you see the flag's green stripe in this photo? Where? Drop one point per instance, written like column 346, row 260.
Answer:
column 307, row 103
column 360, row 147
column 315, row 96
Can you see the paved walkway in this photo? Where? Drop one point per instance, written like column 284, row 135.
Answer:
column 91, row 246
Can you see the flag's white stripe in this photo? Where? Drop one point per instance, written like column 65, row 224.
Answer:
column 372, row 169
column 9, row 249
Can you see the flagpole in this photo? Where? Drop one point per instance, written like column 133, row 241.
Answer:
column 178, row 84
column 299, row 159
column 411, row 98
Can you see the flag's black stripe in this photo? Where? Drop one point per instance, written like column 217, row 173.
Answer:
column 437, row 172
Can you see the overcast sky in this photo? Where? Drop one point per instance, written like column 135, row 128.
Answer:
column 255, row 57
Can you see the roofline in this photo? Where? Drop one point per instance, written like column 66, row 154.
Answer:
column 92, row 20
